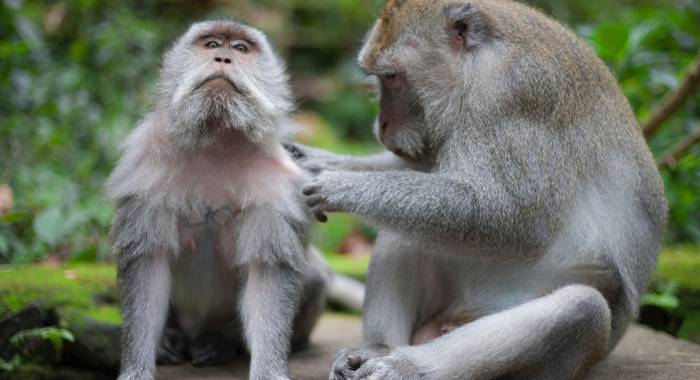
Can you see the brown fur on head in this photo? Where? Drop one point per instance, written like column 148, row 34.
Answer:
column 222, row 76
column 447, row 65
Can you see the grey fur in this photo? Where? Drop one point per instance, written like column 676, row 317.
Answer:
column 210, row 229
column 526, row 227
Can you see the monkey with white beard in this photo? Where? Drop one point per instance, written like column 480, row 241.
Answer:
column 210, row 228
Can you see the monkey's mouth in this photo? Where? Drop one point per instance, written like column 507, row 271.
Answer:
column 219, row 81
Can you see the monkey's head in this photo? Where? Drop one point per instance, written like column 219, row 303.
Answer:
column 446, row 65
column 418, row 50
column 222, row 76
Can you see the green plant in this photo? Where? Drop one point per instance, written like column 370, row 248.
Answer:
column 54, row 335
column 664, row 296
column 10, row 364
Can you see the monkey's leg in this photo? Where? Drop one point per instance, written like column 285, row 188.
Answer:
column 145, row 286
column 555, row 337
column 392, row 304
column 313, row 301
column 271, row 296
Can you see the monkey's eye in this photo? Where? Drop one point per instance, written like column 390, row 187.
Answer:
column 241, row 47
column 390, row 77
column 213, row 44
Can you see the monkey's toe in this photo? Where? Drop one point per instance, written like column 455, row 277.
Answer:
column 348, row 361
column 211, row 351
column 172, row 349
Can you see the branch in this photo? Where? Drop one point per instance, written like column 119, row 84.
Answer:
column 671, row 159
column 670, row 103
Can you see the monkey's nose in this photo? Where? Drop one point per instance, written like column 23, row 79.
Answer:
column 224, row 60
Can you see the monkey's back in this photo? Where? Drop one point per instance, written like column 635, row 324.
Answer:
column 616, row 202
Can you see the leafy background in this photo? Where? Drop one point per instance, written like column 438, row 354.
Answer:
column 75, row 75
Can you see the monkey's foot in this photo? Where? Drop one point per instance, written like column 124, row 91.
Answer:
column 211, row 349
column 349, row 360
column 173, row 347
column 390, row 367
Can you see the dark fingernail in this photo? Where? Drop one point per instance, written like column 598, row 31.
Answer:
column 307, row 190
column 294, row 151
column 321, row 217
column 354, row 361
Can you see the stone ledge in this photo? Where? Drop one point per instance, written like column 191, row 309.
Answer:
column 642, row 355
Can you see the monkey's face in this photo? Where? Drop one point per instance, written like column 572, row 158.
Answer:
column 400, row 126
column 223, row 76
column 423, row 57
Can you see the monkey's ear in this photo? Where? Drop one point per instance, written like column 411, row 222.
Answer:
column 466, row 26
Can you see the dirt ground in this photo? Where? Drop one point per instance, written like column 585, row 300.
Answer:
column 643, row 354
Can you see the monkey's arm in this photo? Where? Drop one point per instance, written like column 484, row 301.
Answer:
column 429, row 204
column 144, row 238
column 318, row 160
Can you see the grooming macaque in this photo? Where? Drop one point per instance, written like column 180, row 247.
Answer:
column 520, row 210
column 210, row 227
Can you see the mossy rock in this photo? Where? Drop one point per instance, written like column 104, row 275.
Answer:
column 84, row 300
column 37, row 372
column 82, row 289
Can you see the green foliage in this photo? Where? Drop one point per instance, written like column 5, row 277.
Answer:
column 10, row 364
column 664, row 296
column 77, row 82
column 52, row 334
column 349, row 266
column 681, row 265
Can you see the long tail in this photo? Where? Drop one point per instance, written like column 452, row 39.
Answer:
column 341, row 290
column 346, row 291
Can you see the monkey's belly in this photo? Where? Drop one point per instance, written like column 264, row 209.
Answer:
column 205, row 286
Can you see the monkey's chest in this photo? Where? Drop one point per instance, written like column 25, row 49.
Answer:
column 209, row 232
column 204, row 283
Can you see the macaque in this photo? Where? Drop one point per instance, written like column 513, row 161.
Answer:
column 210, row 227
column 519, row 209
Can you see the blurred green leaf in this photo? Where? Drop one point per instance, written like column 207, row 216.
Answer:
column 48, row 225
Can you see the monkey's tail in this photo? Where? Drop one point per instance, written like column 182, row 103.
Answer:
column 346, row 291
column 341, row 290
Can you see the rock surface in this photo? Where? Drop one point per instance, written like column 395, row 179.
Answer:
column 642, row 355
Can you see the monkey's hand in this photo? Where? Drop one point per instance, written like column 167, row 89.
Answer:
column 329, row 192
column 314, row 160
column 349, row 360
column 391, row 367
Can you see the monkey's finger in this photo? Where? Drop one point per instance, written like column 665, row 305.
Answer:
column 294, row 150
column 310, row 189
column 372, row 372
column 315, row 170
column 321, row 216
column 354, row 361
column 314, row 200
